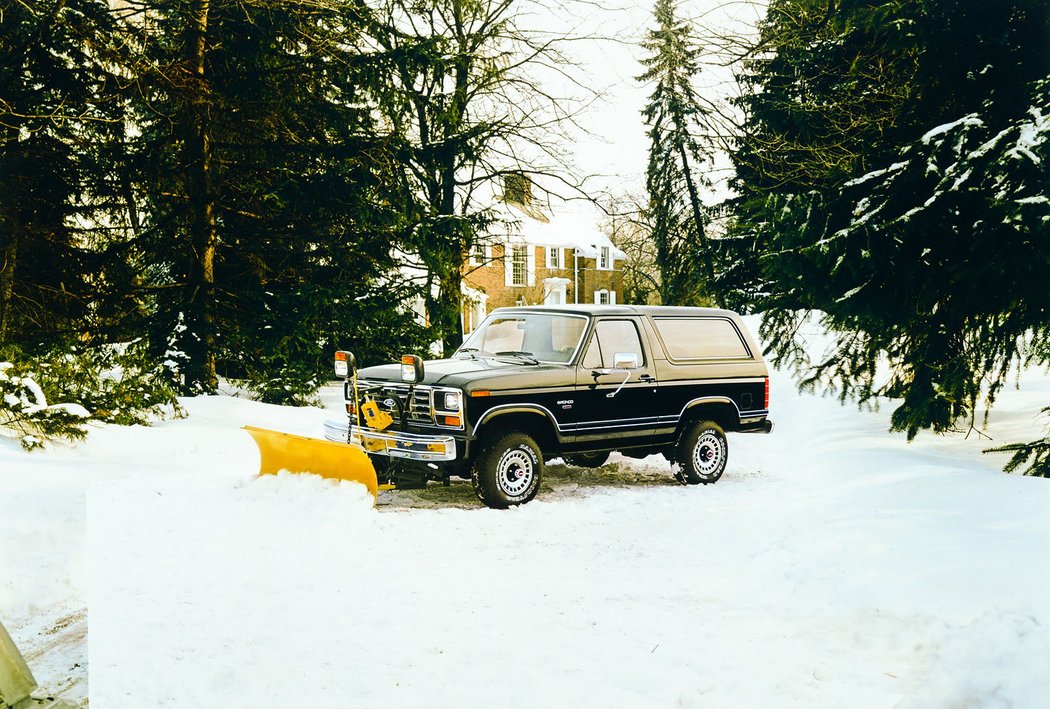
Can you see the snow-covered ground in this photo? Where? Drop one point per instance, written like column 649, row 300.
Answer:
column 833, row 565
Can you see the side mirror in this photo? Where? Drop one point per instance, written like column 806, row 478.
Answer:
column 411, row 369
column 625, row 360
column 344, row 363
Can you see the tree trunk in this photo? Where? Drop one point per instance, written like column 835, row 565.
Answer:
column 694, row 201
column 11, row 227
column 7, row 278
column 200, row 374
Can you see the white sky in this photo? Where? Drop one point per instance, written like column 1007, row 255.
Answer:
column 617, row 149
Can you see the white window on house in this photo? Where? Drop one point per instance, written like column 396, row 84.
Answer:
column 519, row 264
column 601, row 297
column 554, row 259
column 603, row 258
column 478, row 255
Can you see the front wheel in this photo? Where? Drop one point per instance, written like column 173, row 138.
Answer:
column 507, row 472
column 702, row 453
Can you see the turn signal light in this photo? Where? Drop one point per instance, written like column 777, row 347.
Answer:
column 765, row 404
column 480, row 392
column 452, row 421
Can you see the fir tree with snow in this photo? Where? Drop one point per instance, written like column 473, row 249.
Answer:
column 894, row 176
column 678, row 159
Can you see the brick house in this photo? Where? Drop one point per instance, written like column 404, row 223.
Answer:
column 552, row 255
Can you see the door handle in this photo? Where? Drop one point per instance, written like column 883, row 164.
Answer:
column 647, row 378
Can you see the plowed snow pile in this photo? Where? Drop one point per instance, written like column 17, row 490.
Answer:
column 833, row 565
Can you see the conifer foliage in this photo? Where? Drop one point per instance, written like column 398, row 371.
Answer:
column 1034, row 454
column 270, row 208
column 893, row 175
column 26, row 416
column 56, row 87
column 677, row 160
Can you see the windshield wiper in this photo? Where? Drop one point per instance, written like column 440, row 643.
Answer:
column 472, row 352
column 519, row 353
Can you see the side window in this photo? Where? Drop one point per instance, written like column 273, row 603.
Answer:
column 701, row 338
column 612, row 337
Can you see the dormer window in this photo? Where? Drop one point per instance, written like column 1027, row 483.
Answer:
column 478, row 254
column 603, row 258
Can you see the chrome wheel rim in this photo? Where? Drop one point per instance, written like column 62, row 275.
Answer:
column 708, row 454
column 515, row 472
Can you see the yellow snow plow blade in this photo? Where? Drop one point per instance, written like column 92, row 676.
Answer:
column 299, row 454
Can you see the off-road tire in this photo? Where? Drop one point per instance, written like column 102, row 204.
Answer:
column 587, row 460
column 702, row 453
column 508, row 470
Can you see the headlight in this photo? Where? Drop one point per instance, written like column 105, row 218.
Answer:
column 451, row 401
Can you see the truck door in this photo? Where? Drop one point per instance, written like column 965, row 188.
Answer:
column 615, row 403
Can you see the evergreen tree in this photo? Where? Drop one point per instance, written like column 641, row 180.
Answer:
column 56, row 102
column 677, row 159
column 892, row 175
column 270, row 209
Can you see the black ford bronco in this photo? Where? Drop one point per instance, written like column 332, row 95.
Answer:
column 576, row 382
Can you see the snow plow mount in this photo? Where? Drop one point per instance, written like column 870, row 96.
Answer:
column 394, row 444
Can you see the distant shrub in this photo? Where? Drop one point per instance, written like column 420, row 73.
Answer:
column 26, row 416
column 120, row 384
column 279, row 380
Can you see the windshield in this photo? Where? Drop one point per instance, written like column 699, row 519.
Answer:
column 545, row 337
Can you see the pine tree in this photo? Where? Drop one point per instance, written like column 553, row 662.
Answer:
column 56, row 94
column 677, row 160
column 892, row 175
column 271, row 212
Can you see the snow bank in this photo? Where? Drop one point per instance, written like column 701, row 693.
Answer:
column 833, row 565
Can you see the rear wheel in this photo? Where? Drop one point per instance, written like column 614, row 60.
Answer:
column 587, row 460
column 507, row 472
column 702, row 453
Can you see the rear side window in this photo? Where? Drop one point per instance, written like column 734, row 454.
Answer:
column 701, row 338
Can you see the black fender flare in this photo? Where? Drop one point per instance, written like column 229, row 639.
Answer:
column 532, row 409
column 724, row 403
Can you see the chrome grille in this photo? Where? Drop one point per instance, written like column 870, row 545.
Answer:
column 419, row 410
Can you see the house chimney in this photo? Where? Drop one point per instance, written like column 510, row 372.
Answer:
column 517, row 188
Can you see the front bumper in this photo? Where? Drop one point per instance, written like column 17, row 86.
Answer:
column 394, row 444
